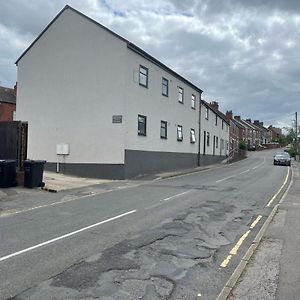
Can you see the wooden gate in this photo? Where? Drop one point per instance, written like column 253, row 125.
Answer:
column 13, row 141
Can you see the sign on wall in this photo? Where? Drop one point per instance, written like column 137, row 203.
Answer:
column 117, row 119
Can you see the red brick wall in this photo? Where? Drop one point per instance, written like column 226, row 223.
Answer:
column 6, row 111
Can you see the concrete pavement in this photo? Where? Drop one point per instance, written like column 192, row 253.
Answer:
column 274, row 270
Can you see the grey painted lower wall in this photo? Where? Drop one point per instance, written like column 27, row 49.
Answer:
column 137, row 163
column 150, row 162
column 105, row 171
column 206, row 160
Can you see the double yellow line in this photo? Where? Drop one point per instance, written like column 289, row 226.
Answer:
column 236, row 247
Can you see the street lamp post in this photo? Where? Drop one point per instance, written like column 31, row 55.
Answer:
column 296, row 132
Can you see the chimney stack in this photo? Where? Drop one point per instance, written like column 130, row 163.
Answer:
column 214, row 105
column 229, row 114
column 237, row 118
column 14, row 91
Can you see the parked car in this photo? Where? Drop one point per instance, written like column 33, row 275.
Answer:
column 282, row 158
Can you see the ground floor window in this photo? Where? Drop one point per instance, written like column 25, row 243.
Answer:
column 193, row 136
column 142, row 124
column 163, row 129
column 179, row 133
column 207, row 139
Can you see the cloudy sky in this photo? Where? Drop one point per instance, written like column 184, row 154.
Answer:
column 243, row 54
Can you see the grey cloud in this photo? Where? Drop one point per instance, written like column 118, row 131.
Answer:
column 244, row 54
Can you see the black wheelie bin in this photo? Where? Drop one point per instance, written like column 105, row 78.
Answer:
column 8, row 173
column 33, row 173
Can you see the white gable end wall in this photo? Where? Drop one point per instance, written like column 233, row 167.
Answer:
column 70, row 84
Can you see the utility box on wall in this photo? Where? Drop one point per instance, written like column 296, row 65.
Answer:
column 62, row 149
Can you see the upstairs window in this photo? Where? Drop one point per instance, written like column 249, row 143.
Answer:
column 193, row 136
column 206, row 113
column 193, row 102
column 143, row 76
column 179, row 133
column 216, row 120
column 165, row 87
column 163, row 129
column 222, row 124
column 142, row 124
column 180, row 94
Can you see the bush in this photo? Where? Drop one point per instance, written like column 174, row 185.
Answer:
column 242, row 145
column 292, row 152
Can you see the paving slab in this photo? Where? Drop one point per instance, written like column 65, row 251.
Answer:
column 59, row 182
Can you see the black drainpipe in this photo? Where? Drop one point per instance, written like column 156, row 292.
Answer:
column 199, row 130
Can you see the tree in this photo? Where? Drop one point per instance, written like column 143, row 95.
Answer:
column 290, row 137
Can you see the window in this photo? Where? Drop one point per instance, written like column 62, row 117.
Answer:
column 222, row 124
column 193, row 104
column 142, row 123
column 165, row 87
column 163, row 129
column 207, row 139
column 179, row 133
column 227, row 128
column 206, row 113
column 217, row 142
column 180, row 94
column 216, row 120
column 143, row 77
column 193, row 136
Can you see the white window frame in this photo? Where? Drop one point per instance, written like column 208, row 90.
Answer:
column 193, row 136
column 144, row 118
column 180, row 95
column 193, row 101
column 206, row 113
column 179, row 133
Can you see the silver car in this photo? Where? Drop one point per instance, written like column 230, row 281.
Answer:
column 282, row 158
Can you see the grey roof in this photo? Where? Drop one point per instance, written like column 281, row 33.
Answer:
column 254, row 126
column 7, row 95
column 130, row 45
column 238, row 124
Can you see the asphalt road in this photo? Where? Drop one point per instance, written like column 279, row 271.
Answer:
column 165, row 239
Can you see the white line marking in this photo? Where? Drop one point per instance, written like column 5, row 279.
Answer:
column 277, row 193
column 255, row 167
column 175, row 196
column 244, row 172
column 65, row 236
column 11, row 212
column 224, row 179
